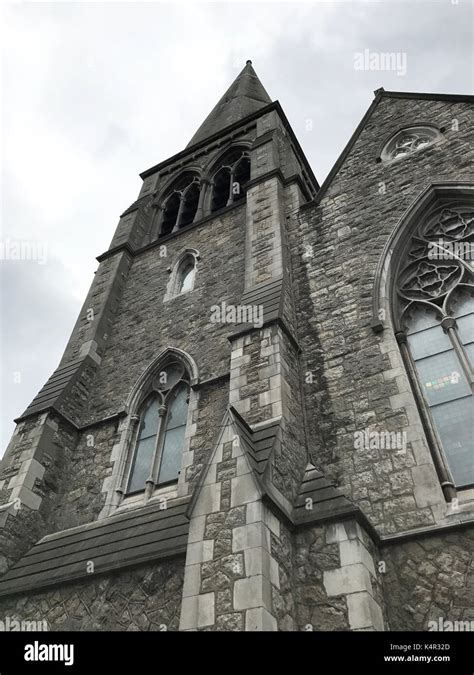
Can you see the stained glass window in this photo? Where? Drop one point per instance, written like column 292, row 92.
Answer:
column 435, row 290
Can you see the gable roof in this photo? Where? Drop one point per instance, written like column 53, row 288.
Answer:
column 257, row 445
column 379, row 94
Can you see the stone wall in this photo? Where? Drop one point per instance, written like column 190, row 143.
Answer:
column 145, row 325
column 142, row 599
column 283, row 598
column 231, row 575
column 336, row 585
column 355, row 378
column 428, row 579
column 33, row 477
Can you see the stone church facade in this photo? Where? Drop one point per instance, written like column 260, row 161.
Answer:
column 263, row 417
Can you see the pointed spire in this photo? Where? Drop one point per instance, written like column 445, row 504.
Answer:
column 244, row 96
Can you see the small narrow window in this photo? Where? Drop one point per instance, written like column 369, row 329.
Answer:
column 182, row 275
column 186, row 277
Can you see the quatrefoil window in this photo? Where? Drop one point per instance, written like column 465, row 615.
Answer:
column 409, row 140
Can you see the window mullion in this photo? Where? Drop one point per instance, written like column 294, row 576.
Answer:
column 180, row 212
column 449, row 326
column 152, row 479
column 133, row 429
column 159, row 443
column 231, row 188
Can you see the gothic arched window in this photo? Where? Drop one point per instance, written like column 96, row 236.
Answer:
column 229, row 184
column 180, row 206
column 408, row 140
column 190, row 204
column 435, row 301
column 186, row 275
column 170, row 213
column 183, row 274
column 160, row 431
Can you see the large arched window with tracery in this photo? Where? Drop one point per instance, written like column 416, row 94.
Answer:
column 435, row 328
column 160, row 427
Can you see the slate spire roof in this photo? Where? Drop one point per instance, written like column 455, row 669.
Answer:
column 245, row 96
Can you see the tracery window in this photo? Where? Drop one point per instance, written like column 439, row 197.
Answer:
column 181, row 204
column 435, row 298
column 230, row 180
column 160, row 431
column 409, row 140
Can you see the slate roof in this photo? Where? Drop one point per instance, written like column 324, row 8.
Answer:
column 135, row 205
column 54, row 389
column 245, row 96
column 258, row 445
column 269, row 295
column 136, row 536
column 326, row 502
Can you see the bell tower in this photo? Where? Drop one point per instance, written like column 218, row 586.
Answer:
column 168, row 455
column 196, row 277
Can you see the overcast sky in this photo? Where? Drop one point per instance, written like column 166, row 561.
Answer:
column 94, row 93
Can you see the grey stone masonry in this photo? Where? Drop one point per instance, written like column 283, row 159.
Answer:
column 277, row 520
column 355, row 380
column 229, row 572
column 31, row 480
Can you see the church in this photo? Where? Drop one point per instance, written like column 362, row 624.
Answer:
column 263, row 419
